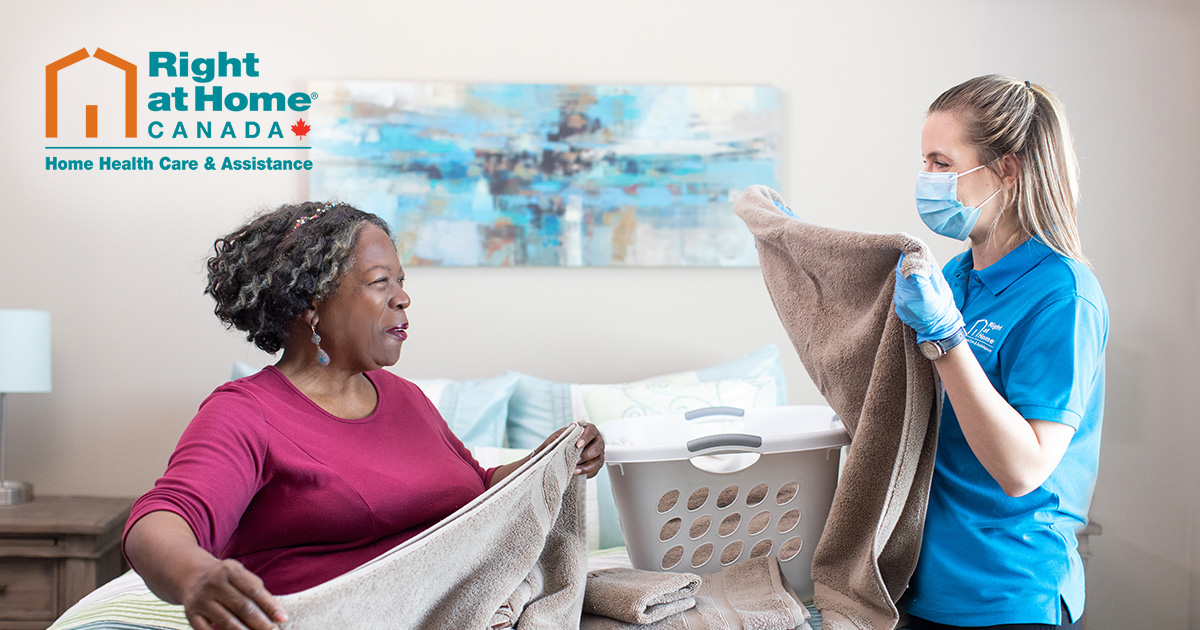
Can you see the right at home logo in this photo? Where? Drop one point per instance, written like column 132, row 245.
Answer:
column 92, row 114
column 190, row 106
column 982, row 334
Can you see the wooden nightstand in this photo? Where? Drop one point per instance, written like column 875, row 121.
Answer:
column 53, row 551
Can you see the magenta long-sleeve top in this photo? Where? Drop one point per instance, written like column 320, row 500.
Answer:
column 299, row 496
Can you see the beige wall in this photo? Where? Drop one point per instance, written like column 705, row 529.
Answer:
column 117, row 257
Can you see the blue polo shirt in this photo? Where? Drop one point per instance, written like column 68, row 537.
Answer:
column 1038, row 323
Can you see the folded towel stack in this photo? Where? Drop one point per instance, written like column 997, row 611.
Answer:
column 639, row 597
column 750, row 594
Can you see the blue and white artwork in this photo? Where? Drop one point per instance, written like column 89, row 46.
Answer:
column 486, row 174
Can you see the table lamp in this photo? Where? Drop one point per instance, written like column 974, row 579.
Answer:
column 24, row 367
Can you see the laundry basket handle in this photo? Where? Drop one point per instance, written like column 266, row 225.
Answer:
column 721, row 440
column 714, row 411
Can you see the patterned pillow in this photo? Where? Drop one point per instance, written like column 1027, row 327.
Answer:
column 539, row 406
column 610, row 402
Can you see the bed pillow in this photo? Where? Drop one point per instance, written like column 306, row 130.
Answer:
column 491, row 456
column 242, row 369
column 610, row 402
column 539, row 406
column 475, row 410
column 762, row 363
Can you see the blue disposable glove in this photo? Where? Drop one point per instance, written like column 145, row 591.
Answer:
column 926, row 303
column 786, row 210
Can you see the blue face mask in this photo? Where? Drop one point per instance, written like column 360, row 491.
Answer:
column 939, row 207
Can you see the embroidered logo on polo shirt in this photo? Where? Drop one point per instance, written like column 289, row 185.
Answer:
column 981, row 334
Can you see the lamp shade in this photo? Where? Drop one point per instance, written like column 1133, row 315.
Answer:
column 24, row 351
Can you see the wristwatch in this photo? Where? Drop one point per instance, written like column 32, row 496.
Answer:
column 934, row 350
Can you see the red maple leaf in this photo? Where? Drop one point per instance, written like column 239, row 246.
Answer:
column 300, row 129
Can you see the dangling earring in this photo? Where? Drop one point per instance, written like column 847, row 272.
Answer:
column 322, row 356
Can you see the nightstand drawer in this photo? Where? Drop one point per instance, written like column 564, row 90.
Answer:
column 28, row 587
column 53, row 551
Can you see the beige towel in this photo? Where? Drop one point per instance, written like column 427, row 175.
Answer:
column 832, row 290
column 637, row 596
column 518, row 552
column 510, row 611
column 750, row 595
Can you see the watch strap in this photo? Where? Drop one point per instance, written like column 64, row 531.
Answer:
column 935, row 349
column 954, row 339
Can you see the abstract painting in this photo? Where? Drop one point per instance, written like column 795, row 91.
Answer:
column 487, row 174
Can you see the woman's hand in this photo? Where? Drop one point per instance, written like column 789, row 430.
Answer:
column 592, row 443
column 926, row 303
column 592, row 456
column 214, row 593
column 226, row 595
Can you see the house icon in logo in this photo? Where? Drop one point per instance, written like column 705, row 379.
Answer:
column 91, row 111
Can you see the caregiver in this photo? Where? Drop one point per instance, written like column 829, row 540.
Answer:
column 1019, row 440
column 321, row 462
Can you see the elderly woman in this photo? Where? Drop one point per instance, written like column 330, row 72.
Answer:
column 321, row 462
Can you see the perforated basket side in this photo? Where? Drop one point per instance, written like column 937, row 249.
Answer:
column 676, row 517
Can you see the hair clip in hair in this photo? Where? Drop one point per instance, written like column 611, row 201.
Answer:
column 319, row 212
column 1027, row 85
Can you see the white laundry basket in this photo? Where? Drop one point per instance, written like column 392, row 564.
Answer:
column 699, row 491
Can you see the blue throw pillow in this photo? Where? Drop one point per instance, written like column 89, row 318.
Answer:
column 475, row 410
column 537, row 407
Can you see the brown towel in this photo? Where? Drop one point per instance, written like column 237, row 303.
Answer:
column 637, row 596
column 832, row 290
column 517, row 552
column 750, row 595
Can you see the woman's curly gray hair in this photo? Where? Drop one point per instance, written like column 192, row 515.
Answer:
column 265, row 273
